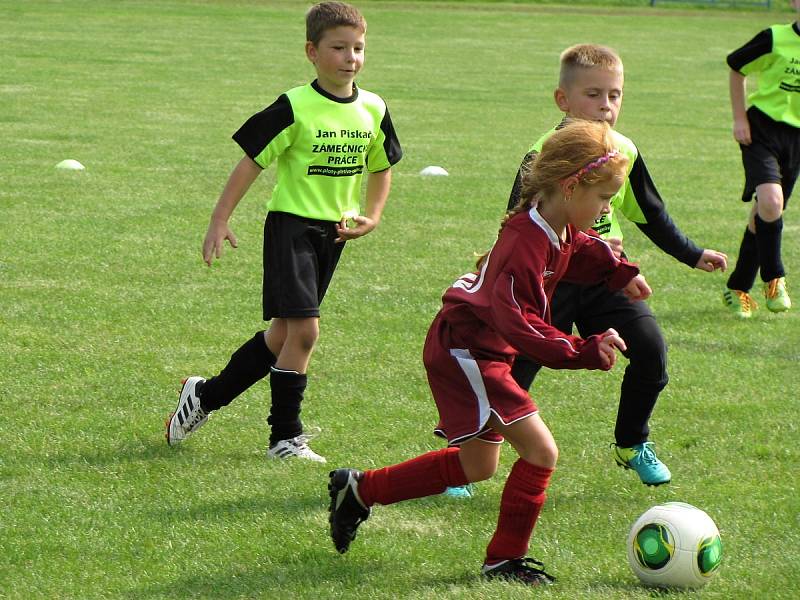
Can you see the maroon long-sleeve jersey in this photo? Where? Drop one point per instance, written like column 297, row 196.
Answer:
column 504, row 309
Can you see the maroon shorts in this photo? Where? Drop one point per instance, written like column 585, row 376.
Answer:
column 467, row 390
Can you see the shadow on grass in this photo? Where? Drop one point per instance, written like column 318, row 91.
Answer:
column 315, row 573
column 138, row 450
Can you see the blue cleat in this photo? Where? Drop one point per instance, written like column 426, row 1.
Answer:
column 642, row 459
column 462, row 491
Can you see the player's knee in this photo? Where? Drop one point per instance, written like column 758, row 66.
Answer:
column 770, row 204
column 483, row 472
column 305, row 336
column 479, row 468
column 544, row 454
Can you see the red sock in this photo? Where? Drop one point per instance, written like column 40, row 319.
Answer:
column 424, row 475
column 523, row 497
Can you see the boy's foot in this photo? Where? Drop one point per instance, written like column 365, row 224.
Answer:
column 188, row 416
column 347, row 511
column 461, row 491
column 519, row 569
column 296, row 446
column 775, row 293
column 739, row 303
column 642, row 459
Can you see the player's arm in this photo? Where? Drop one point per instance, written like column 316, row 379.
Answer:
column 594, row 261
column 658, row 226
column 741, row 61
column 240, row 180
column 263, row 137
column 378, row 185
column 518, row 302
column 384, row 152
column 738, row 92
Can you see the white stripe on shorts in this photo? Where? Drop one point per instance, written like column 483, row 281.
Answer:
column 470, row 367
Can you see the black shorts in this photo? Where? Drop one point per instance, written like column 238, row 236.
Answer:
column 773, row 156
column 593, row 308
column 300, row 256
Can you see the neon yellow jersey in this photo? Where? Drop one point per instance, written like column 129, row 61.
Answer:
column 624, row 200
column 322, row 145
column 773, row 55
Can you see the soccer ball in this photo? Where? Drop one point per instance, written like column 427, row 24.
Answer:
column 674, row 545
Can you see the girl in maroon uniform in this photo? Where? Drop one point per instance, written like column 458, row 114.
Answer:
column 486, row 320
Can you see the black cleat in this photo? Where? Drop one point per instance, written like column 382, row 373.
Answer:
column 347, row 511
column 518, row 570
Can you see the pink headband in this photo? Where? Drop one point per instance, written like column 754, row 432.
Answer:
column 595, row 163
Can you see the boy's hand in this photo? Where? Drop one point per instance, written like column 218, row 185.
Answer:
column 218, row 232
column 616, row 246
column 741, row 131
column 637, row 289
column 711, row 260
column 363, row 225
column 610, row 342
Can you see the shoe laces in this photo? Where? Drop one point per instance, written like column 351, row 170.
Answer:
column 647, row 455
column 772, row 289
column 746, row 300
column 196, row 417
column 529, row 569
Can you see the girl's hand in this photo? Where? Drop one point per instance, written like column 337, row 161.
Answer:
column 363, row 225
column 610, row 342
column 637, row 289
column 218, row 232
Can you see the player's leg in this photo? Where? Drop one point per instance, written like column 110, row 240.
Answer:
column 769, row 230
column 288, row 381
column 770, row 167
column 199, row 397
column 644, row 378
column 563, row 312
column 353, row 493
column 737, row 291
column 523, row 496
column 300, row 257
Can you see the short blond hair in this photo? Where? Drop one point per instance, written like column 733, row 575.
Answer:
column 587, row 56
column 327, row 15
column 572, row 151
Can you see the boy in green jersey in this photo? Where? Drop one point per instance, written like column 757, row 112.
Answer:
column 590, row 87
column 768, row 133
column 324, row 136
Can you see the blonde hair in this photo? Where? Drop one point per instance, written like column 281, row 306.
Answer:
column 581, row 149
column 586, row 56
column 327, row 15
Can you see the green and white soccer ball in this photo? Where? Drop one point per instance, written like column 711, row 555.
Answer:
column 674, row 545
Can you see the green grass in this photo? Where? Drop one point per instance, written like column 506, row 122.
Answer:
column 105, row 304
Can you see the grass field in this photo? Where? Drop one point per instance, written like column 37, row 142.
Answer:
column 105, row 304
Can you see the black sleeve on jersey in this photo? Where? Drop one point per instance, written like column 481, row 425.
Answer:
column 516, row 189
column 260, row 129
column 760, row 45
column 391, row 145
column 660, row 228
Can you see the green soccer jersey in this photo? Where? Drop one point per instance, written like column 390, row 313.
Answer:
column 774, row 56
column 638, row 200
column 624, row 200
column 322, row 145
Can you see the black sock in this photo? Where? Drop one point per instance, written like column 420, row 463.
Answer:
column 768, row 238
column 249, row 364
column 287, row 394
column 744, row 274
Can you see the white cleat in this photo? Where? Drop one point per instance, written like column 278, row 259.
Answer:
column 188, row 416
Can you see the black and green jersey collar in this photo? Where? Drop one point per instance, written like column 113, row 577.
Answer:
column 316, row 86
